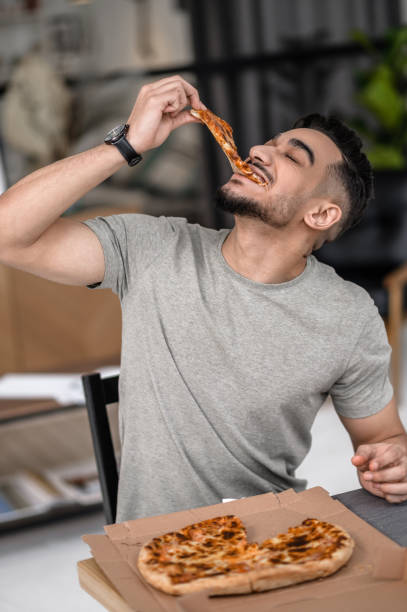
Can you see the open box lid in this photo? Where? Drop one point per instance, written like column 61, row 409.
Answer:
column 376, row 574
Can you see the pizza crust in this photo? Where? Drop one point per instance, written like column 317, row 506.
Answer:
column 218, row 585
column 254, row 581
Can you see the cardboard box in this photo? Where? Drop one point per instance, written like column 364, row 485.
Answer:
column 374, row 579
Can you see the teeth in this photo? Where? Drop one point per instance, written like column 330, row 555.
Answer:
column 263, row 180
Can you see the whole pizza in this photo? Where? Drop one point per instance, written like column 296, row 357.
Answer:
column 215, row 554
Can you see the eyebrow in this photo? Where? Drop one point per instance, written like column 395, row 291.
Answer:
column 298, row 144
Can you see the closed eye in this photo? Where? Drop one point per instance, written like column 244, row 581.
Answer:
column 292, row 158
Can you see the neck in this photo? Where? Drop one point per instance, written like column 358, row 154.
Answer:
column 265, row 255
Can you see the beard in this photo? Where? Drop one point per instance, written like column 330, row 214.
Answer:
column 277, row 213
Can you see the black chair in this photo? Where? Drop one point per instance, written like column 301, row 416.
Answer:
column 99, row 392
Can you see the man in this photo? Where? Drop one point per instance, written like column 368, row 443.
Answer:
column 232, row 340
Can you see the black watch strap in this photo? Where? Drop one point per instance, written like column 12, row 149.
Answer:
column 129, row 154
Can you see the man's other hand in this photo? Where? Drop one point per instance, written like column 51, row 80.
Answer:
column 160, row 108
column 382, row 470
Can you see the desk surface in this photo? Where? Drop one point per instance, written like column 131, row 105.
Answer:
column 390, row 519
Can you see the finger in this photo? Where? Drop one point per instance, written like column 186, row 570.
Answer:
column 176, row 102
column 361, row 459
column 372, row 488
column 170, row 91
column 375, row 456
column 164, row 80
column 162, row 83
column 166, row 101
column 185, row 114
column 392, row 488
column 190, row 91
column 396, row 473
column 367, row 451
column 183, row 118
column 388, row 456
column 174, row 78
column 193, row 96
column 167, row 93
column 395, row 499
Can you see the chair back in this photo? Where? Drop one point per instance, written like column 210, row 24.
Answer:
column 99, row 392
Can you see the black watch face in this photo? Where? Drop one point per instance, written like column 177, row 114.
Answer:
column 116, row 132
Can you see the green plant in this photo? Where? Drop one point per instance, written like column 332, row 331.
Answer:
column 381, row 90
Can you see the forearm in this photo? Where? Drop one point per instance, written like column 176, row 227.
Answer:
column 34, row 203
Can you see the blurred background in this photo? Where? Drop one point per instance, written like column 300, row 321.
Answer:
column 69, row 71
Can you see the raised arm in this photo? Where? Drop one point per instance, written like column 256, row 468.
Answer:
column 34, row 237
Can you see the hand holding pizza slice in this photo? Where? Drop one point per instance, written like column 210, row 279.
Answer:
column 223, row 135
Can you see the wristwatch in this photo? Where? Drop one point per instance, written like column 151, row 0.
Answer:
column 117, row 137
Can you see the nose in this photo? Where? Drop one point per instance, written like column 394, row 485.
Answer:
column 261, row 153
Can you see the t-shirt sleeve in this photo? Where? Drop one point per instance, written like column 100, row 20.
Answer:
column 130, row 243
column 364, row 388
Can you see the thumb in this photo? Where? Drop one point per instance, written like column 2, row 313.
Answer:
column 362, row 456
column 183, row 118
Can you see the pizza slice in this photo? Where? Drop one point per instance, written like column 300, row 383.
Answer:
column 308, row 551
column 215, row 554
column 223, row 134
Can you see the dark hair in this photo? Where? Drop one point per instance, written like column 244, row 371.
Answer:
column 354, row 172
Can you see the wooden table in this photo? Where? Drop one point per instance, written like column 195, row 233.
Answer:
column 98, row 585
column 390, row 519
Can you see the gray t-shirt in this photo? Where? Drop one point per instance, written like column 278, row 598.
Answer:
column 221, row 377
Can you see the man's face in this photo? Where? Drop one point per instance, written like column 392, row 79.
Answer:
column 293, row 164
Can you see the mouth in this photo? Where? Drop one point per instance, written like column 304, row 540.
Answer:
column 261, row 174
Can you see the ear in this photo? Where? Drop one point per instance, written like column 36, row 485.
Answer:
column 323, row 215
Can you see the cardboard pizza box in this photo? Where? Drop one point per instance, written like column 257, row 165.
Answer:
column 374, row 579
